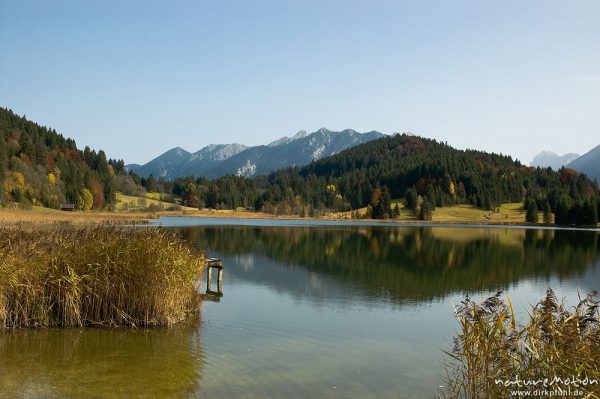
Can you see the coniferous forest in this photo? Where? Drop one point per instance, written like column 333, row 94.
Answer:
column 38, row 166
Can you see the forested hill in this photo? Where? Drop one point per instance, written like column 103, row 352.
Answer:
column 405, row 165
column 38, row 166
column 404, row 161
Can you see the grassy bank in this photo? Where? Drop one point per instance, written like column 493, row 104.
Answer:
column 151, row 200
column 101, row 276
column 45, row 216
column 512, row 213
column 495, row 355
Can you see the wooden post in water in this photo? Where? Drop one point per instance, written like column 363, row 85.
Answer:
column 217, row 264
column 208, row 278
column 220, row 281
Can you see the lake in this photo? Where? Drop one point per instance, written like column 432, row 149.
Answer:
column 309, row 310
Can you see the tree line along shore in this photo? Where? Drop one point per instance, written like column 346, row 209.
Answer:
column 41, row 168
column 514, row 214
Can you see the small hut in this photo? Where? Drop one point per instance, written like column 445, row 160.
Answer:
column 67, row 207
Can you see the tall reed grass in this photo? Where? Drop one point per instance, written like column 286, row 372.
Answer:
column 493, row 351
column 101, row 276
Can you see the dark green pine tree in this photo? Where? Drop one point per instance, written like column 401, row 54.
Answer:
column 426, row 211
column 531, row 210
column 386, row 203
column 439, row 197
column 589, row 212
column 108, row 185
column 383, row 207
column 151, row 184
column 487, row 203
column 411, row 199
column 431, row 196
column 563, row 210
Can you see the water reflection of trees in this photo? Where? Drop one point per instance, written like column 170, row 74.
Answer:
column 413, row 263
column 101, row 363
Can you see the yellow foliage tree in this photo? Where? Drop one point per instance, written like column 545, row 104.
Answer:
column 52, row 178
column 14, row 181
column 451, row 188
column 88, row 199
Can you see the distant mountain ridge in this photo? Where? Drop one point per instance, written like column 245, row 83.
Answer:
column 588, row 163
column 217, row 160
column 550, row 159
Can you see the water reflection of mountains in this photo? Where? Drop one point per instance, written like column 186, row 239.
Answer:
column 413, row 264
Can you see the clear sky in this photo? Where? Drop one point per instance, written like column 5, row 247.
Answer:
column 137, row 78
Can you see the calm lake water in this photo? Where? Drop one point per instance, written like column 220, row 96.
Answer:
column 309, row 310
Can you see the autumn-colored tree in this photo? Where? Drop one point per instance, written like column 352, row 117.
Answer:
column 375, row 196
column 87, row 199
column 97, row 194
column 189, row 197
column 566, row 175
column 419, row 205
column 14, row 184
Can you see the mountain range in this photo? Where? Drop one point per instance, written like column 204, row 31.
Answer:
column 550, row 159
column 588, row 163
column 217, row 160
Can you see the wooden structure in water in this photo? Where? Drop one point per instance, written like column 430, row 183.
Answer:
column 210, row 295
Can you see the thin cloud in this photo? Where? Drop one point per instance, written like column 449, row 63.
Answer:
column 585, row 78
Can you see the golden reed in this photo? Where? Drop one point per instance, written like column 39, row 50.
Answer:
column 102, row 276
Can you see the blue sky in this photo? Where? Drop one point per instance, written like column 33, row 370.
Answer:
column 139, row 77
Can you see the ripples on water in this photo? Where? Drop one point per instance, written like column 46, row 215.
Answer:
column 328, row 311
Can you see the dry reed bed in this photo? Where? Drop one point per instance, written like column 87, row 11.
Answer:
column 493, row 351
column 101, row 276
column 23, row 217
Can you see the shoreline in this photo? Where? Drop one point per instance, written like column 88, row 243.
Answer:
column 391, row 222
column 50, row 217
